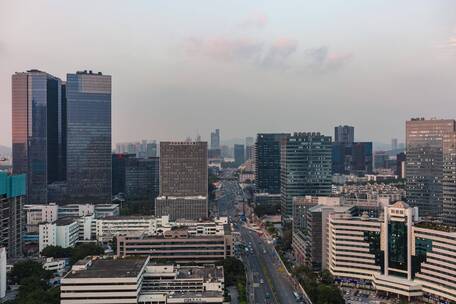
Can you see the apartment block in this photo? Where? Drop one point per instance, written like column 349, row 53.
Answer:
column 64, row 233
column 12, row 197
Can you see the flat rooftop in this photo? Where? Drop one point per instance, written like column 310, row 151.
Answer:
column 129, row 217
column 435, row 226
column 65, row 221
column 205, row 272
column 109, row 268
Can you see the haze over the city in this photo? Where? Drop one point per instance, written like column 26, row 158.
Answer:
column 183, row 67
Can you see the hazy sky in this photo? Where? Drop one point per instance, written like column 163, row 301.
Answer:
column 182, row 67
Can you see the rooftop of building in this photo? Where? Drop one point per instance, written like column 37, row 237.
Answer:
column 171, row 234
column 319, row 208
column 128, row 217
column 90, row 72
column 435, row 226
column 65, row 221
column 107, row 268
column 207, row 272
column 199, row 197
column 265, row 194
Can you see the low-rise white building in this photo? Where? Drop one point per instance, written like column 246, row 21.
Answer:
column 110, row 227
column 54, row 265
column 37, row 214
column 134, row 280
column 76, row 210
column 63, row 232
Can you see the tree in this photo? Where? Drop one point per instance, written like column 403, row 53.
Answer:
column 27, row 269
column 83, row 250
column 262, row 210
column 326, row 277
column 329, row 294
column 56, row 252
column 34, row 281
column 285, row 241
column 75, row 254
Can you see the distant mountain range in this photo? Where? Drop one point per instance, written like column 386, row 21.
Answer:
column 4, row 150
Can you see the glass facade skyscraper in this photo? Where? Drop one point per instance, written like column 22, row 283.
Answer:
column 344, row 134
column 305, row 168
column 89, row 137
column 38, row 110
column 215, row 139
column 239, row 154
column 425, row 163
column 267, row 162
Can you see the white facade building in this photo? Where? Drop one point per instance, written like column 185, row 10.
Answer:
column 134, row 280
column 63, row 232
column 2, row 272
column 110, row 227
column 396, row 253
column 76, row 210
column 37, row 214
column 54, row 265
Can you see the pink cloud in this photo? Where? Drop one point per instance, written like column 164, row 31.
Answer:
column 255, row 20
column 224, row 48
column 279, row 51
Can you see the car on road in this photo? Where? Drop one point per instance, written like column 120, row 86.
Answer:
column 261, row 281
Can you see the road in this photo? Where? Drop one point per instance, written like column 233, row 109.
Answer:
column 267, row 280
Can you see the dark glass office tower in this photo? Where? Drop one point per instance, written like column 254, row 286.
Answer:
column 239, row 155
column 267, row 162
column 305, row 168
column 38, row 127
column 354, row 158
column 215, row 139
column 142, row 179
column 344, row 134
column 89, row 137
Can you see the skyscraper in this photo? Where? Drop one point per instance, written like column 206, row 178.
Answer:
column 449, row 179
column 183, row 168
column 305, row 168
column 394, row 144
column 215, row 139
column 183, row 180
column 344, row 134
column 249, row 141
column 142, row 178
column 89, row 137
column 425, row 163
column 239, row 154
column 12, row 226
column 38, row 109
column 267, row 162
column 355, row 158
column 249, row 148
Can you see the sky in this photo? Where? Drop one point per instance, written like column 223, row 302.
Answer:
column 182, row 68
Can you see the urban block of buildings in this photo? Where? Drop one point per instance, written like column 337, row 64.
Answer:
column 388, row 249
column 138, row 280
column 183, row 180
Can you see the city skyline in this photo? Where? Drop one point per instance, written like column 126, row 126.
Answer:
column 248, row 56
